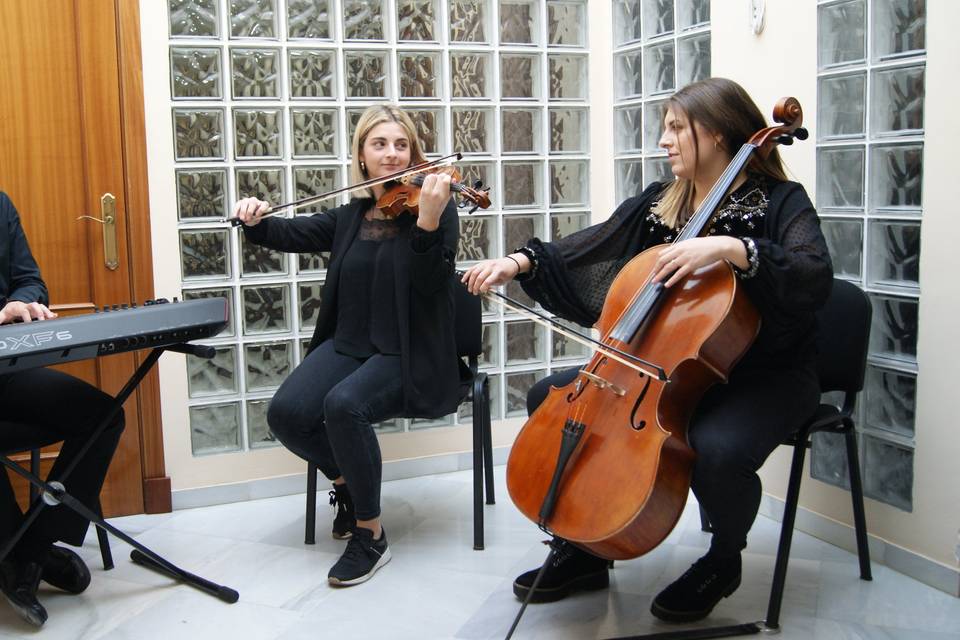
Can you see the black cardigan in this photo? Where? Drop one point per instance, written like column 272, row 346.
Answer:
column 19, row 274
column 423, row 268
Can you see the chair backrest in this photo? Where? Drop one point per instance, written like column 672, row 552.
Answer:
column 844, row 337
column 469, row 324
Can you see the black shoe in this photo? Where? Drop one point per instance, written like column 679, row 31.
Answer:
column 65, row 570
column 362, row 558
column 19, row 582
column 346, row 519
column 570, row 569
column 694, row 594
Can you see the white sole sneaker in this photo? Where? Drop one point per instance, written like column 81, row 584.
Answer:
column 384, row 559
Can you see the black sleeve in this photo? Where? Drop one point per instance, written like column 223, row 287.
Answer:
column 303, row 234
column 25, row 283
column 434, row 253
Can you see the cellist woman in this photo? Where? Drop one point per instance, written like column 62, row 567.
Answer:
column 768, row 230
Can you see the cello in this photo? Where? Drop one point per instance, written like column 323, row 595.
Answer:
column 619, row 432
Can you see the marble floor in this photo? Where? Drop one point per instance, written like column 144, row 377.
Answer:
column 437, row 586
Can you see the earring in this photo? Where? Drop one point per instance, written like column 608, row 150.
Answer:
column 363, row 167
column 716, row 145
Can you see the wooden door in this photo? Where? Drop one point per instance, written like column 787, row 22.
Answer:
column 71, row 132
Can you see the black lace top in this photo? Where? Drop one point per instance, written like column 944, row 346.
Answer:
column 793, row 276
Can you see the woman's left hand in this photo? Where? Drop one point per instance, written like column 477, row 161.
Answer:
column 683, row 258
column 434, row 195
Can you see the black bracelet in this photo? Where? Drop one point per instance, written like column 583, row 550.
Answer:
column 516, row 263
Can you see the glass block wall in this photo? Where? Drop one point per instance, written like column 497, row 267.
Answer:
column 871, row 60
column 659, row 46
column 264, row 98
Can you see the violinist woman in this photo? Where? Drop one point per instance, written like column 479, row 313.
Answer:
column 384, row 341
column 768, row 230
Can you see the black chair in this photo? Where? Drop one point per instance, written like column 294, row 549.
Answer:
column 474, row 388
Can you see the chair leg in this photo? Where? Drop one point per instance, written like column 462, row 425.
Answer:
column 35, row 470
column 105, row 554
column 477, row 467
column 311, row 526
column 856, row 494
column 705, row 525
column 487, row 441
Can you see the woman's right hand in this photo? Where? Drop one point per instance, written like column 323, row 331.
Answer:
column 250, row 211
column 485, row 275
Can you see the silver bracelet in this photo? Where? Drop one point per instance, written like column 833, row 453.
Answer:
column 753, row 259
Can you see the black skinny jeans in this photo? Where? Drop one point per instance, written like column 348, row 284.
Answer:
column 735, row 427
column 325, row 411
column 39, row 407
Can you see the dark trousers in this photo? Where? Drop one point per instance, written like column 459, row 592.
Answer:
column 733, row 430
column 325, row 411
column 39, row 407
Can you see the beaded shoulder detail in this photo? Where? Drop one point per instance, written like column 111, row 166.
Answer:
column 741, row 214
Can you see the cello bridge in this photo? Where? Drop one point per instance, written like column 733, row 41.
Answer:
column 603, row 384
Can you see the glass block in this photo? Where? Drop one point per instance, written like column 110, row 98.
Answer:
column 842, row 33
column 657, row 169
column 896, row 173
column 430, row 423
column 313, row 181
column 419, row 73
column 215, row 428
column 482, row 173
column 309, row 19
column 366, row 73
column 468, row 20
column 628, row 129
column 517, row 386
column 198, row 134
column 888, row 472
column 519, row 76
column 518, row 229
column 694, row 59
column 313, row 132
column 893, row 330
column 514, row 291
column 828, row 459
column 470, row 74
column 899, row 28
column 653, row 117
column 842, row 106
column 429, row 125
column 213, row 376
column 567, row 24
column 266, row 309
column 259, row 435
column 258, row 133
column 472, row 130
column 840, row 178
column 569, row 183
column 265, row 184
column 201, row 193
column 253, row 18
column 568, row 77
column 313, row 262
column 629, row 178
column 566, row 348
column 893, row 258
column 195, row 73
column 657, row 17
column 896, row 101
column 521, row 184
column 205, row 254
column 353, row 117
column 255, row 73
column 312, row 73
column 194, row 18
column 626, row 22
column 309, row 296
column 490, row 354
column 417, row 20
column 525, row 342
column 628, row 75
column 256, row 260
column 659, row 68
column 569, row 131
column 520, row 130
column 478, row 238
column 363, row 19
column 389, row 426
column 564, row 224
column 267, row 364
column 196, row 294
column 890, row 400
column 519, row 21
column 304, row 345
column 692, row 13
column 845, row 242
column 465, row 410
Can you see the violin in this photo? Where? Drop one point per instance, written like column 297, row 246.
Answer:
column 404, row 194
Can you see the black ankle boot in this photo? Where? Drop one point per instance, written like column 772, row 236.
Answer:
column 346, row 518
column 570, row 569
column 19, row 582
column 694, row 594
column 65, row 570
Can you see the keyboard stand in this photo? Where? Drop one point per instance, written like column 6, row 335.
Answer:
column 55, row 493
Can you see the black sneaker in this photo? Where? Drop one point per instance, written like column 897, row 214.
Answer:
column 694, row 594
column 570, row 569
column 361, row 559
column 19, row 582
column 345, row 520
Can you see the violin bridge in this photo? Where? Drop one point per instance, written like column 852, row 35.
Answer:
column 603, row 384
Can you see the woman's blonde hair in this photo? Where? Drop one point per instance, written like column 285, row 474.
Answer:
column 724, row 109
column 378, row 114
